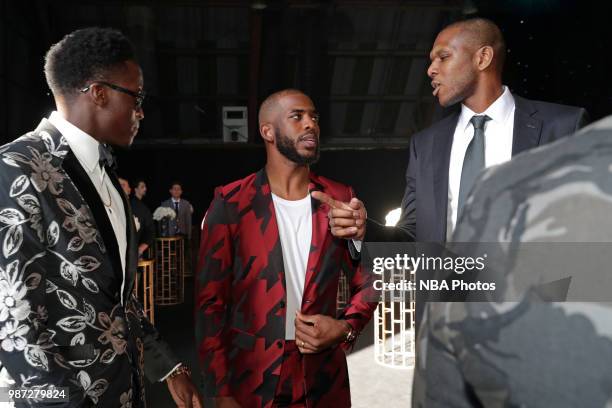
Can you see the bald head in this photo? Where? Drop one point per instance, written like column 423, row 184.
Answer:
column 480, row 32
column 270, row 106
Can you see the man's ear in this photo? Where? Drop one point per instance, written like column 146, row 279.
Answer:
column 484, row 57
column 98, row 95
column 267, row 132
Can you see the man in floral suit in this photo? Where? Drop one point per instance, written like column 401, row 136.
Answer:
column 68, row 260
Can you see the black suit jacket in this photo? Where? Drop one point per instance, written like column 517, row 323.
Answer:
column 424, row 206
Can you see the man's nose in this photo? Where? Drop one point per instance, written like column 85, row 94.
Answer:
column 309, row 122
column 432, row 71
column 139, row 113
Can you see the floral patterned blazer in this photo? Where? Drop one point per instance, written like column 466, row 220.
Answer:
column 62, row 323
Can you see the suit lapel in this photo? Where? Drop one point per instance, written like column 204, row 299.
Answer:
column 441, row 145
column 131, row 257
column 90, row 195
column 527, row 128
column 263, row 206
column 320, row 224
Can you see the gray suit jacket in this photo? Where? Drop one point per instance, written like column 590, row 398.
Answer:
column 60, row 262
column 183, row 219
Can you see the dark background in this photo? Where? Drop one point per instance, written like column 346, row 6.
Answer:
column 363, row 63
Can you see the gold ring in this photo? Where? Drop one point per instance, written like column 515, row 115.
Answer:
column 303, row 343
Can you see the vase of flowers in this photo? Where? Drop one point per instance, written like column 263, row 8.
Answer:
column 163, row 215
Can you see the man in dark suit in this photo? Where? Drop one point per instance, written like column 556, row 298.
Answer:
column 181, row 225
column 68, row 317
column 492, row 125
column 146, row 232
column 466, row 66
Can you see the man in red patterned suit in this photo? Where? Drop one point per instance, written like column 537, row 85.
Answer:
column 267, row 281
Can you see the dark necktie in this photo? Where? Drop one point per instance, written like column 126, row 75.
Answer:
column 176, row 209
column 106, row 156
column 474, row 160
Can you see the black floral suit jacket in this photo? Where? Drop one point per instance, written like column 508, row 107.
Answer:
column 62, row 322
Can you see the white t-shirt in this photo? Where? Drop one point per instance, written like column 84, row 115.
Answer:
column 294, row 219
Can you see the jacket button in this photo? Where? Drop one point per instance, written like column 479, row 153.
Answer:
column 282, row 304
column 279, row 344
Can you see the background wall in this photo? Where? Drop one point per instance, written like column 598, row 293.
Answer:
column 363, row 62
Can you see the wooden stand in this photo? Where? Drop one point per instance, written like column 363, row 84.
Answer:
column 144, row 287
column 169, row 262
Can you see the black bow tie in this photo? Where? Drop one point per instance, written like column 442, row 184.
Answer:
column 106, row 156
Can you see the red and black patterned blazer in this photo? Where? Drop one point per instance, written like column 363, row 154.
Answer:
column 241, row 297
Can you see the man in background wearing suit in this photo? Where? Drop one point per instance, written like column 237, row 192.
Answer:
column 68, row 317
column 181, row 225
column 146, row 232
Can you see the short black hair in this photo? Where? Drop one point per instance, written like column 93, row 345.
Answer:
column 83, row 56
column 137, row 180
column 176, row 183
column 270, row 103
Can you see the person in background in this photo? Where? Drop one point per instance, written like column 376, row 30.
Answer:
column 146, row 232
column 181, row 225
column 125, row 186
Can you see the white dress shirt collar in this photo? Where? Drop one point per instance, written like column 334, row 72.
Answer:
column 84, row 146
column 498, row 111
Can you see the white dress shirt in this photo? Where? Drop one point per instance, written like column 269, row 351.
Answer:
column 498, row 145
column 294, row 219
column 85, row 148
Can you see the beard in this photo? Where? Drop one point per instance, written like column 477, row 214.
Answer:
column 286, row 147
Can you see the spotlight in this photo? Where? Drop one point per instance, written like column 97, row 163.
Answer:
column 393, row 217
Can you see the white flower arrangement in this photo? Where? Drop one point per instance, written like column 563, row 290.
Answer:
column 164, row 212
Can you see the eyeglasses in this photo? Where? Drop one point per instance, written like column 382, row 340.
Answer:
column 139, row 96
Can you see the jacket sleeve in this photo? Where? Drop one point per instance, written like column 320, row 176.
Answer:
column 438, row 380
column 28, row 352
column 362, row 301
column 148, row 228
column 213, row 300
column 583, row 119
column 159, row 359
